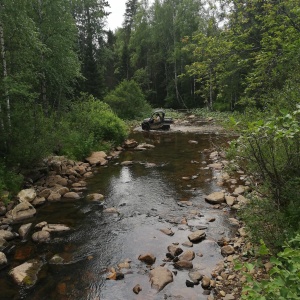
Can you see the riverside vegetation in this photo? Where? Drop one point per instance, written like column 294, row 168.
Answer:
column 68, row 85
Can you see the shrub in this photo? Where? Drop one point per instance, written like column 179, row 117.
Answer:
column 88, row 124
column 284, row 277
column 128, row 101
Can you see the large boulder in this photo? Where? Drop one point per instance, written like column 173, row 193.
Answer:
column 215, row 198
column 26, row 274
column 27, row 195
column 160, row 277
column 97, row 158
column 23, row 210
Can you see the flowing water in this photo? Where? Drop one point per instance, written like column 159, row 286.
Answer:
column 147, row 195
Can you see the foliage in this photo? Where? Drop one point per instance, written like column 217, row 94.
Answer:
column 9, row 181
column 271, row 148
column 128, row 101
column 89, row 123
column 284, row 276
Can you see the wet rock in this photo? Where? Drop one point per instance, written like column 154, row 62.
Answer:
column 183, row 264
column 62, row 190
column 26, row 195
column 147, row 258
column 3, row 244
column 215, row 198
column 124, row 265
column 22, row 211
column 3, row 260
column 229, row 200
column 56, row 259
column 197, row 236
column 195, row 276
column 227, row 250
column 187, row 244
column 160, row 277
column 137, row 289
column 189, row 283
column 115, row 275
column 192, row 142
column 217, row 166
column 127, row 163
column 38, row 201
column 40, row 225
column 55, row 228
column 71, row 196
column 53, row 197
column 24, row 229
column 45, row 193
column 205, row 282
column 97, row 158
column 239, row 190
column 26, row 274
column 188, row 255
column 111, row 210
column 42, row 236
column 130, row 143
column 167, row 231
column 174, row 250
column 95, row 197
column 6, row 235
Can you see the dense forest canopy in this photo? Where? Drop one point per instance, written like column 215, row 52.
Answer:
column 222, row 55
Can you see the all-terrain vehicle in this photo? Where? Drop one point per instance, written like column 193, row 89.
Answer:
column 157, row 121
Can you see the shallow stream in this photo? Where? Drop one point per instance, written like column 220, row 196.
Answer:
column 150, row 195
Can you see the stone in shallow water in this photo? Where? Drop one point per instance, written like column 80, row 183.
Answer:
column 148, row 258
column 215, row 198
column 197, row 236
column 160, row 277
column 27, row 273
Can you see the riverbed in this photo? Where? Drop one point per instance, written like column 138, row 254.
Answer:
column 164, row 186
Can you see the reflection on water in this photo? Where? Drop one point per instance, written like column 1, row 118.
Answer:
column 146, row 195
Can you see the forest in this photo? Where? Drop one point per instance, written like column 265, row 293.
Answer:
column 68, row 86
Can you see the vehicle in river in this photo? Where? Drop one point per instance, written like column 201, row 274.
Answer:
column 157, row 121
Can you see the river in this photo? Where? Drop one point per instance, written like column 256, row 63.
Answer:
column 149, row 195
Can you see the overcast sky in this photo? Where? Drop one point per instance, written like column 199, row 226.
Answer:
column 117, row 9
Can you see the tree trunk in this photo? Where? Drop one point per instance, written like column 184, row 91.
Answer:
column 2, row 45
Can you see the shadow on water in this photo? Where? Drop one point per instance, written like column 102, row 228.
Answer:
column 146, row 194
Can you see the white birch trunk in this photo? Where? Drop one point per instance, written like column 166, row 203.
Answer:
column 2, row 45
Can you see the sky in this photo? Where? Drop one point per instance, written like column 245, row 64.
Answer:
column 117, row 9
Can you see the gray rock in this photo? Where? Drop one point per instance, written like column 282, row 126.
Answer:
column 215, row 198
column 26, row 273
column 23, row 210
column 27, row 195
column 6, row 234
column 195, row 276
column 148, row 258
column 24, row 229
column 71, row 196
column 197, row 236
column 174, row 250
column 42, row 236
column 187, row 255
column 3, row 259
column 160, row 277
column 227, row 250
column 183, row 264
column 55, row 228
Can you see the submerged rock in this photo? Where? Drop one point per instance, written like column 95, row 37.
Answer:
column 160, row 277
column 27, row 273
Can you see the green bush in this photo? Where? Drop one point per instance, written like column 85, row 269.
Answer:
column 9, row 181
column 88, row 124
column 284, row 276
column 128, row 101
